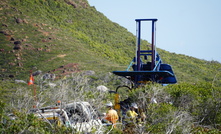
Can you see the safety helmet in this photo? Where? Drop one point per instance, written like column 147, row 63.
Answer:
column 134, row 105
column 109, row 104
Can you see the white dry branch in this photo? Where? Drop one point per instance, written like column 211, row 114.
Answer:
column 22, row 100
column 180, row 120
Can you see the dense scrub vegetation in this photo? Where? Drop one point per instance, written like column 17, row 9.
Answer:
column 67, row 37
column 180, row 108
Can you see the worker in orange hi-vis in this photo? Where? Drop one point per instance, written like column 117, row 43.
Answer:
column 58, row 103
column 111, row 114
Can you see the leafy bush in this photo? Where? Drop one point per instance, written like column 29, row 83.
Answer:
column 200, row 99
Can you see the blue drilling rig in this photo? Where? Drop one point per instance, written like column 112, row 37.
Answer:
column 147, row 66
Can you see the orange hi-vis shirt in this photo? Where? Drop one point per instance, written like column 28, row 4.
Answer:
column 112, row 116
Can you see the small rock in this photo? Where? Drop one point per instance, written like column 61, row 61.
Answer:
column 18, row 20
column 23, row 40
column 4, row 25
column 39, row 49
column 17, row 42
column 12, row 39
column 12, row 63
column 44, row 40
column 11, row 76
column 4, row 32
column 37, row 73
column 17, row 47
column 102, row 88
column 18, row 58
column 25, row 21
column 20, row 64
column 90, row 72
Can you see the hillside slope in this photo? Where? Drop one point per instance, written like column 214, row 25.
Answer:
column 69, row 36
column 64, row 37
